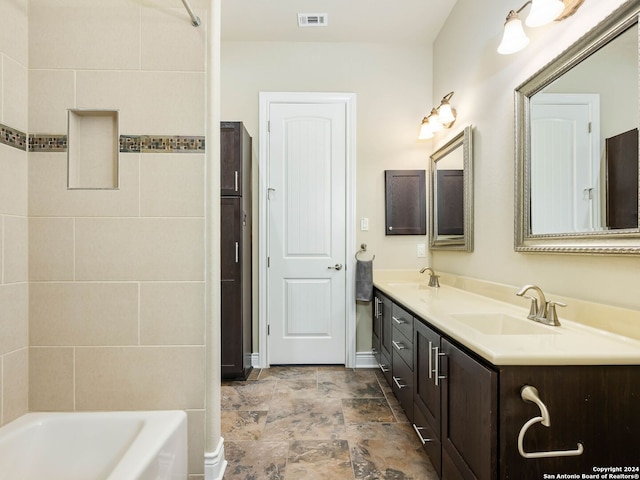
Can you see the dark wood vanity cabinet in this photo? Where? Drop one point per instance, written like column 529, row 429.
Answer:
column 468, row 413
column 455, row 407
column 235, row 250
column 402, row 358
column 381, row 338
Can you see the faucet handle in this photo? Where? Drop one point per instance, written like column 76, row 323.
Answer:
column 552, row 316
column 533, row 309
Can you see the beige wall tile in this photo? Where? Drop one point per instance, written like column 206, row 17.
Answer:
column 150, row 103
column 15, row 97
column 49, row 196
column 139, row 249
column 14, row 311
column 97, row 37
column 168, row 43
column 13, row 30
column 139, row 378
column 172, row 314
column 195, row 424
column 51, row 93
column 51, row 386
column 13, row 181
column 50, row 248
column 15, row 383
column 172, row 185
column 15, row 253
column 2, row 57
column 83, row 314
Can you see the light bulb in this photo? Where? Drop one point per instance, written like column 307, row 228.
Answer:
column 425, row 130
column 514, row 38
column 543, row 12
column 445, row 113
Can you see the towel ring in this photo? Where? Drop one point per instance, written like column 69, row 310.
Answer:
column 363, row 249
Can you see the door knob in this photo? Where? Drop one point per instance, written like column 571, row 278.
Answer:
column 337, row 266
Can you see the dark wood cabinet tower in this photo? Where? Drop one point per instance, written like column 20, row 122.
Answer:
column 235, row 250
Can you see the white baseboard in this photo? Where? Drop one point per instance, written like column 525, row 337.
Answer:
column 366, row 360
column 363, row 360
column 256, row 362
column 215, row 463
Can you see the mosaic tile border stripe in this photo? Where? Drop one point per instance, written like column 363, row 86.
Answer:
column 13, row 138
column 47, row 143
column 127, row 143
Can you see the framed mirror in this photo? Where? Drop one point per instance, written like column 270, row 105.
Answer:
column 451, row 194
column 577, row 146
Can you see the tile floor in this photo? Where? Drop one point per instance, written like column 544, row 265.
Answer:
column 308, row 423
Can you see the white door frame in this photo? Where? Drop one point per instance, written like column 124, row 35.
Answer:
column 349, row 100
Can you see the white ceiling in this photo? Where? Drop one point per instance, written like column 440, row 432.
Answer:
column 398, row 21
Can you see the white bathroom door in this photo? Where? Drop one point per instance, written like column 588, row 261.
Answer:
column 307, row 233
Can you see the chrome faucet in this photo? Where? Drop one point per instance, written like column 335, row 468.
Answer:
column 542, row 311
column 433, row 278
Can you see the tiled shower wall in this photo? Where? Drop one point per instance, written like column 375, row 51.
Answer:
column 14, row 352
column 117, row 276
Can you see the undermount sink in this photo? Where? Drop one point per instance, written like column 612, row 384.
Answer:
column 411, row 285
column 502, row 324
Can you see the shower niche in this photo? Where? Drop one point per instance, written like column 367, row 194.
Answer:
column 93, row 148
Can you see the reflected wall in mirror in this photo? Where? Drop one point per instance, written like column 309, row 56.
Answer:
column 577, row 145
column 451, row 194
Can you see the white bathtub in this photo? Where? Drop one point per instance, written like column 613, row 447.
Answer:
column 95, row 446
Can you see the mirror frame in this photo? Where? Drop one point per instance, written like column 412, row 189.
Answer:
column 596, row 243
column 463, row 242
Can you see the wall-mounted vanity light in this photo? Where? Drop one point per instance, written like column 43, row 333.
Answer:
column 542, row 12
column 442, row 117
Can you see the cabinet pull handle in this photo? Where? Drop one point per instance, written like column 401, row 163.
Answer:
column 417, row 430
column 436, row 366
column 398, row 345
column 375, row 307
column 430, row 359
column 384, row 368
column 399, row 385
column 530, row 394
column 399, row 321
column 237, row 252
column 235, row 175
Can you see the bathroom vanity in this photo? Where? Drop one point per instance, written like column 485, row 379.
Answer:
column 458, row 363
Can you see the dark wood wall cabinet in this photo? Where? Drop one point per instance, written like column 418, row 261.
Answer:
column 468, row 413
column 405, row 202
column 235, row 250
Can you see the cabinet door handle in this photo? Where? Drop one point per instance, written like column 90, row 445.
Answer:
column 399, row 321
column 398, row 384
column 418, row 430
column 436, row 368
column 235, row 175
column 375, row 307
column 399, row 346
column 384, row 368
column 430, row 359
column 237, row 252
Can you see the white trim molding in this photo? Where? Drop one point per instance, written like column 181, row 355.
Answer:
column 214, row 463
column 366, row 360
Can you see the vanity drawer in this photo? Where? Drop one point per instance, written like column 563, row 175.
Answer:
column 402, row 320
column 430, row 441
column 403, row 384
column 403, row 347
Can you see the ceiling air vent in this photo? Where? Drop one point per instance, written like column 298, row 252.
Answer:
column 313, row 19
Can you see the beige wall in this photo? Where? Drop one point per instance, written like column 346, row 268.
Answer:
column 465, row 60
column 392, row 83
column 117, row 276
column 13, row 215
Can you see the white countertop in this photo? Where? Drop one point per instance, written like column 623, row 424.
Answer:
column 569, row 344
